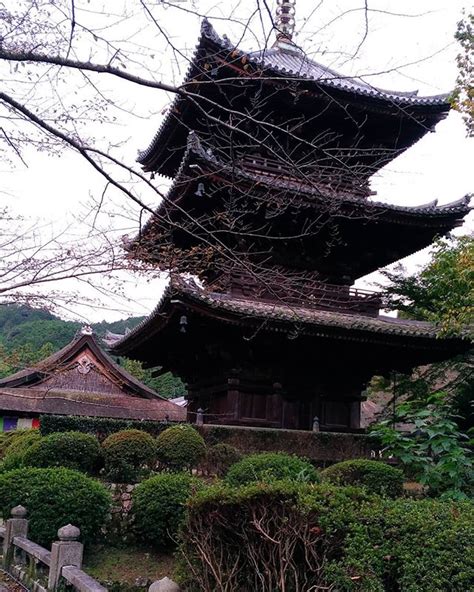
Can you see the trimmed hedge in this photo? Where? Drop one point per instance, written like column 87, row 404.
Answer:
column 268, row 537
column 97, row 426
column 376, row 476
column 18, row 446
column 53, row 498
column 73, row 450
column 271, row 466
column 180, row 447
column 128, row 455
column 159, row 507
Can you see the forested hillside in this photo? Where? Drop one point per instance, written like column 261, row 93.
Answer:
column 28, row 335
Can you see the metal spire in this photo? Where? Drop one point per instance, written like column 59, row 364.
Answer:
column 285, row 19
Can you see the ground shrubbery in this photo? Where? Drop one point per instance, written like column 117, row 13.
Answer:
column 128, row 455
column 159, row 506
column 220, row 457
column 180, row 447
column 375, row 476
column 53, row 498
column 271, row 466
column 72, row 450
column 274, row 536
column 17, row 446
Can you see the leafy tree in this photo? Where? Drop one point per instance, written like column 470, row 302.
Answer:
column 167, row 385
column 463, row 96
column 443, row 291
column 434, row 451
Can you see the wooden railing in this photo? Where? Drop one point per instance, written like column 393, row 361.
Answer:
column 41, row 570
column 312, row 176
column 303, row 293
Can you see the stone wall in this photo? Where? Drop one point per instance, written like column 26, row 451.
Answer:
column 119, row 525
column 320, row 447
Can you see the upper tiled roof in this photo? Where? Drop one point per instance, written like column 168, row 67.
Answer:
column 288, row 62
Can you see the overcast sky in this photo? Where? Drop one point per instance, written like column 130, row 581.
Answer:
column 409, row 45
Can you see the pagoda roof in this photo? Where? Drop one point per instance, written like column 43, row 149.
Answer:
column 282, row 62
column 281, row 317
column 201, row 165
column 81, row 379
column 306, row 189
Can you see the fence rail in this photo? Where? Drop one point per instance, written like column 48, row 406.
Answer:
column 41, row 570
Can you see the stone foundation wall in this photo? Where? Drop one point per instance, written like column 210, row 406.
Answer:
column 320, row 447
column 120, row 520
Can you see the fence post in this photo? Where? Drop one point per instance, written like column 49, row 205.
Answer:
column 15, row 526
column 66, row 551
column 200, row 417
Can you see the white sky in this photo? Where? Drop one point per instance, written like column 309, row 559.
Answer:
column 400, row 52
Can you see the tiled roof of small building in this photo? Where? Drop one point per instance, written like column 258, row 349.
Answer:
column 60, row 384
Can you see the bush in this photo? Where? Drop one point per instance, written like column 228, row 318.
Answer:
column 19, row 445
column 180, row 447
column 72, row 450
column 271, row 466
column 376, row 476
column 128, row 455
column 159, row 506
column 220, row 457
column 101, row 427
column 55, row 497
column 281, row 535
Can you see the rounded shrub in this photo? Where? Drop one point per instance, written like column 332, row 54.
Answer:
column 17, row 450
column 180, row 447
column 128, row 455
column 271, row 466
column 73, row 450
column 159, row 506
column 220, row 457
column 375, row 476
column 53, row 498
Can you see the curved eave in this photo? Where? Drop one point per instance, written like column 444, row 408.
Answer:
column 313, row 322
column 445, row 216
column 210, row 41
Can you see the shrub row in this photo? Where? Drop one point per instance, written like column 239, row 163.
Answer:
column 127, row 455
column 290, row 536
column 101, row 427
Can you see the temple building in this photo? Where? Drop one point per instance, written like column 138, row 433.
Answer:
column 82, row 380
column 267, row 224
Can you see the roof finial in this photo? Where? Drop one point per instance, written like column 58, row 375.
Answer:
column 285, row 19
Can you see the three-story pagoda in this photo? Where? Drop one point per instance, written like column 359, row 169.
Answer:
column 270, row 210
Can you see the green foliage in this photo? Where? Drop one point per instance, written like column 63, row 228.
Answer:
column 98, row 426
column 73, row 450
column 55, row 497
column 377, row 477
column 23, row 357
column 20, row 443
column 271, row 466
column 275, row 536
column 220, row 457
column 434, row 451
column 442, row 292
column 180, row 447
column 167, row 385
column 462, row 98
column 128, row 454
column 159, row 506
